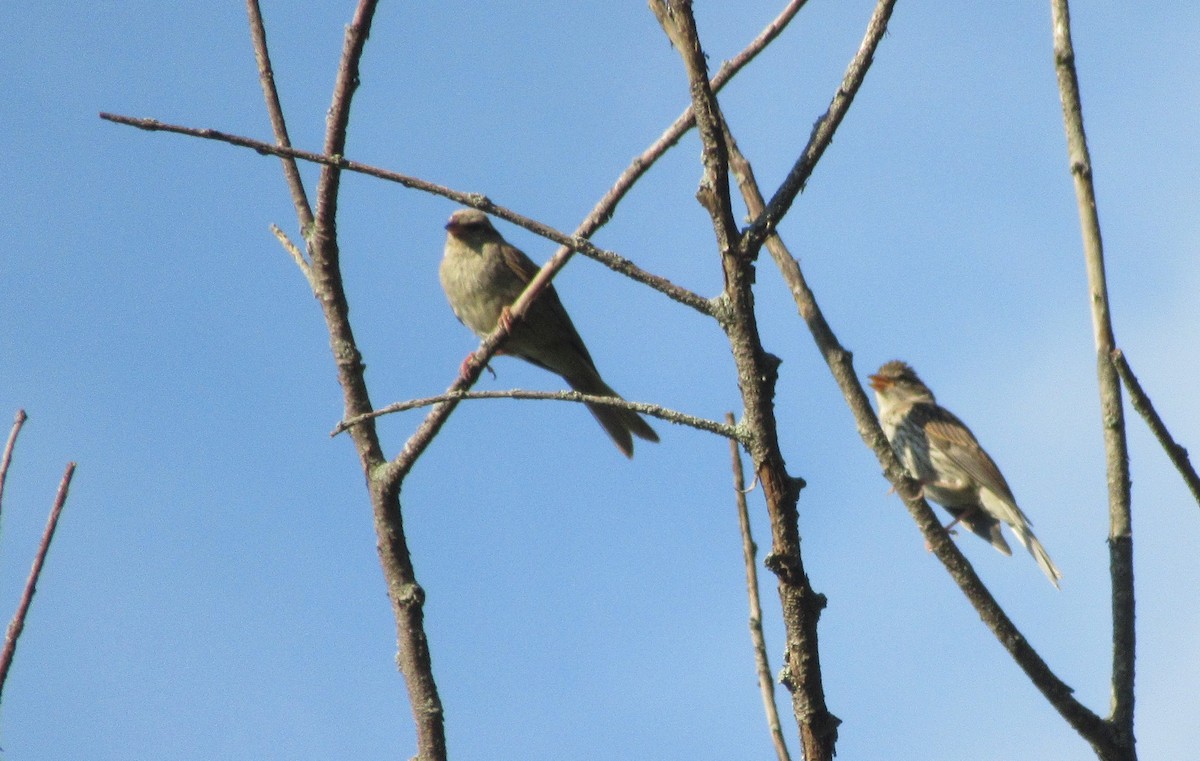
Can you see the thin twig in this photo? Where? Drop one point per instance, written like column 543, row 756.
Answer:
column 670, row 137
column 39, row 560
column 574, row 243
column 762, row 665
column 18, row 422
column 294, row 251
column 266, row 77
column 822, row 133
column 1141, row 403
column 653, row 410
column 1120, row 532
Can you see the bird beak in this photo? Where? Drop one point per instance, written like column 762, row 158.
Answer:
column 878, row 382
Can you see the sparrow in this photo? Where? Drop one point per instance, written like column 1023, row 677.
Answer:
column 941, row 453
column 482, row 275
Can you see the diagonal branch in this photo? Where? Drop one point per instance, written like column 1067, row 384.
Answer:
column 822, row 134
column 39, row 560
column 266, row 76
column 670, row 137
column 1120, row 532
column 841, row 366
column 1141, row 403
column 600, row 214
column 762, row 666
column 575, row 242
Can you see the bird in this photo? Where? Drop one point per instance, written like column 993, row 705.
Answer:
column 483, row 274
column 940, row 452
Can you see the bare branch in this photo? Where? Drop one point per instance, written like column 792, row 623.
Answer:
column 1141, row 403
column 677, row 21
column 822, row 134
column 653, row 410
column 1120, row 532
column 297, row 257
column 338, row 117
column 576, row 242
column 600, row 214
column 39, row 560
column 18, row 422
column 406, row 595
column 266, row 76
column 749, row 552
column 608, row 204
column 841, row 366
column 757, row 374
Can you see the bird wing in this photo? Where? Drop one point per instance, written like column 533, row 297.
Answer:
column 520, row 264
column 950, row 435
column 551, row 317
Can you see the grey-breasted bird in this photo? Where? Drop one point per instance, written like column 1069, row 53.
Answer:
column 940, row 452
column 482, row 275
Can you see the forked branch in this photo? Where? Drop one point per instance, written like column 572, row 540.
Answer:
column 1112, row 412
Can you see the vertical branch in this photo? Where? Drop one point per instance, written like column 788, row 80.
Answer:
column 677, row 21
column 39, row 560
column 757, row 375
column 1120, row 532
column 749, row 550
column 324, row 274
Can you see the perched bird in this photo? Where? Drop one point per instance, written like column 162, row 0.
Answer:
column 940, row 452
column 482, row 275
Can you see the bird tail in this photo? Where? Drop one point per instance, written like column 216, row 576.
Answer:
column 1005, row 509
column 617, row 422
column 1030, row 542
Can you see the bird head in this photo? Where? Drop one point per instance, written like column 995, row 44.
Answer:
column 470, row 225
column 897, row 382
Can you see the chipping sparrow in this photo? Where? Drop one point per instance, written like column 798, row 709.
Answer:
column 940, row 452
column 482, row 275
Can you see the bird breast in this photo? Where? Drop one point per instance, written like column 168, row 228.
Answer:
column 478, row 287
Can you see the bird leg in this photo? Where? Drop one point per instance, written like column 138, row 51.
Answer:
column 967, row 512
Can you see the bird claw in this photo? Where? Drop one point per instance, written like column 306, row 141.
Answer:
column 506, row 319
column 462, row 369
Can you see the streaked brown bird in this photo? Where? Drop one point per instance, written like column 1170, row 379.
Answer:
column 940, row 452
column 482, row 275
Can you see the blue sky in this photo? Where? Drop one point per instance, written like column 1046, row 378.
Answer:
column 214, row 590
